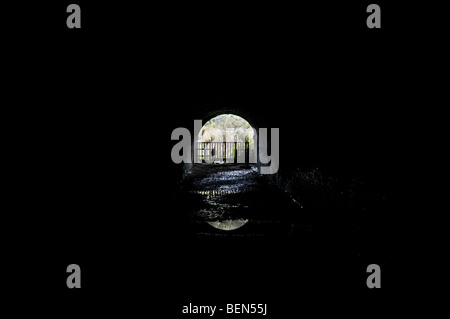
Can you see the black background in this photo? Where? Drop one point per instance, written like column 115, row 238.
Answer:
column 101, row 99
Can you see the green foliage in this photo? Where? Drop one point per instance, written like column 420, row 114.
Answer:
column 235, row 126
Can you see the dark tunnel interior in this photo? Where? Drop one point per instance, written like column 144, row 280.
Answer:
column 98, row 159
column 333, row 200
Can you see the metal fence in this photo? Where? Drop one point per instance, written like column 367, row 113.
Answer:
column 223, row 152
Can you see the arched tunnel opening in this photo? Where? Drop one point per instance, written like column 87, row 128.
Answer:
column 226, row 139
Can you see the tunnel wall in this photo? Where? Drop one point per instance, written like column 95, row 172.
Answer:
column 322, row 164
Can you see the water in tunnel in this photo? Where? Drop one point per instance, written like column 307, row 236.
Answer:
column 234, row 197
column 224, row 188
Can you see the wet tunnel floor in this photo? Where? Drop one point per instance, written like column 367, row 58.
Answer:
column 234, row 228
column 234, row 223
column 236, row 200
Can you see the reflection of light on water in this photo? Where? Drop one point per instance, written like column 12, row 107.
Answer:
column 229, row 224
column 222, row 191
column 217, row 208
